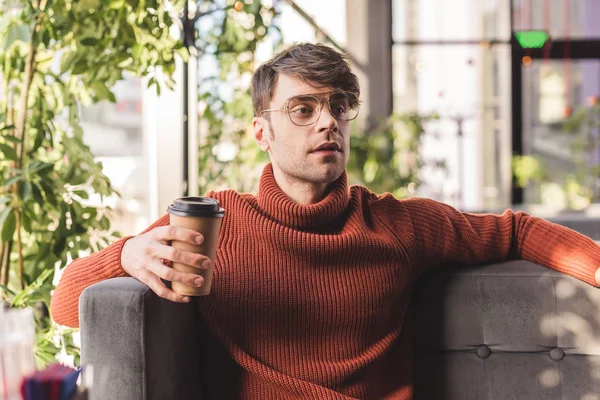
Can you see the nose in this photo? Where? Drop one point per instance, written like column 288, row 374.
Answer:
column 326, row 122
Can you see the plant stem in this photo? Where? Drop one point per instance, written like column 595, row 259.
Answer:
column 22, row 106
column 30, row 66
column 20, row 248
column 9, row 119
column 2, row 248
column 6, row 263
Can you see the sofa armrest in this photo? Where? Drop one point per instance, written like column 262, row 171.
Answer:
column 139, row 345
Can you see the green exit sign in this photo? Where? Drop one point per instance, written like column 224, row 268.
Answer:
column 532, row 39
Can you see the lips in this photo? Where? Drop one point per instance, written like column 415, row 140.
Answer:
column 328, row 146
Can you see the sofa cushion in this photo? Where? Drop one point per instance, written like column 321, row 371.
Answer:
column 501, row 331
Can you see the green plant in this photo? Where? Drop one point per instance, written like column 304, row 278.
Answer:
column 57, row 55
column 585, row 125
column 228, row 155
column 528, row 169
column 389, row 159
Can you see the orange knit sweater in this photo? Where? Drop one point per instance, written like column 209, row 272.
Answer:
column 310, row 302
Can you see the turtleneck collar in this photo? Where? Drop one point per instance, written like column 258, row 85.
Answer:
column 279, row 206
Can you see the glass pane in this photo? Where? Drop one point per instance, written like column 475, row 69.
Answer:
column 575, row 19
column 550, row 91
column 115, row 136
column 469, row 87
column 329, row 15
column 417, row 20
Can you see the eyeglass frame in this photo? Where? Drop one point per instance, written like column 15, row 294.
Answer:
column 314, row 95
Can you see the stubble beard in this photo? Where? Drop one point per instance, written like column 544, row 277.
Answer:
column 305, row 171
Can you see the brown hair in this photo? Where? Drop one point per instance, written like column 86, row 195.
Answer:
column 310, row 62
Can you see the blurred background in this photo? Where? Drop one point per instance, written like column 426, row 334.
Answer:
column 501, row 114
column 110, row 109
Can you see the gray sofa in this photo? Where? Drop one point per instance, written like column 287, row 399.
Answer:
column 513, row 330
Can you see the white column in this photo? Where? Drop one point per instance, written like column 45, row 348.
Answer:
column 368, row 29
column 163, row 125
column 193, row 132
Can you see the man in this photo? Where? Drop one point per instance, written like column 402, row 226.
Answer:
column 312, row 278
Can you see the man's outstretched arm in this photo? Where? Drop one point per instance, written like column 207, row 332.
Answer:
column 445, row 235
column 84, row 272
column 144, row 257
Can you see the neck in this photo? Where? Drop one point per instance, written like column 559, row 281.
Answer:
column 300, row 192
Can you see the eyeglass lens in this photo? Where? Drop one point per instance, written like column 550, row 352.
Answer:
column 305, row 109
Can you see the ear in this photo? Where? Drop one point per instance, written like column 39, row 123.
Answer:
column 261, row 131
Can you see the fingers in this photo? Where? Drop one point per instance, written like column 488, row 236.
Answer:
column 167, row 233
column 155, row 284
column 169, row 274
column 142, row 260
column 185, row 257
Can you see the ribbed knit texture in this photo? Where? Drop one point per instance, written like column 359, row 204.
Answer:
column 311, row 302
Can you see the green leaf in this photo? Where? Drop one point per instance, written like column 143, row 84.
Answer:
column 80, row 229
column 116, row 4
column 151, row 81
column 80, row 67
column 12, row 180
column 25, row 190
column 184, row 53
column 104, row 223
column 4, row 214
column 59, row 246
column 8, row 152
column 67, row 61
column 7, row 289
column 102, row 92
column 49, row 191
column 26, row 222
column 82, row 193
column 9, row 137
column 89, row 41
column 137, row 51
column 37, row 194
column 4, row 200
column 15, row 31
column 29, row 290
column 78, row 179
column 39, row 137
column 46, row 38
column 126, row 62
column 40, row 166
column 8, row 227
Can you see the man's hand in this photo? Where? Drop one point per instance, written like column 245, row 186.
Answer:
column 142, row 257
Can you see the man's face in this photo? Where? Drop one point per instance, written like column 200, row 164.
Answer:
column 294, row 150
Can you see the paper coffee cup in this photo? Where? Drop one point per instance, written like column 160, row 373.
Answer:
column 203, row 215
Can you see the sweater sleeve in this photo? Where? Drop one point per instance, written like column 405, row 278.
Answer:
column 86, row 271
column 445, row 235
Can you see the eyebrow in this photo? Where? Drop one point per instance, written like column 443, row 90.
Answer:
column 318, row 95
column 303, row 97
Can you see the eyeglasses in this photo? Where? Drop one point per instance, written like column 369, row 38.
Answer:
column 305, row 109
